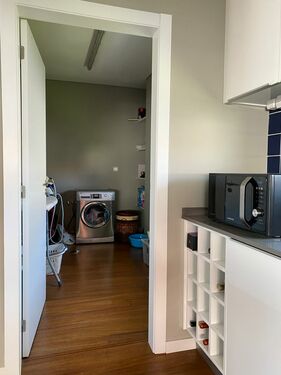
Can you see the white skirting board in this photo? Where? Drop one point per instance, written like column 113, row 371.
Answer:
column 180, row 345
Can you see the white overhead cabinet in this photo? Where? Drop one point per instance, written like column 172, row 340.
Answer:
column 252, row 46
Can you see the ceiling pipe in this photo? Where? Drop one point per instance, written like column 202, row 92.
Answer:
column 93, row 48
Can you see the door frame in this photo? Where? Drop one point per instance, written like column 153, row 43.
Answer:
column 109, row 18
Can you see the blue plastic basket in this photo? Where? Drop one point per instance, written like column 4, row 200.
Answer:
column 135, row 240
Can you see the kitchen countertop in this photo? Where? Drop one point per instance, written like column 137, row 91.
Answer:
column 199, row 216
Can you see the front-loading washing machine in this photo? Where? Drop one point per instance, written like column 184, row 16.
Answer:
column 94, row 217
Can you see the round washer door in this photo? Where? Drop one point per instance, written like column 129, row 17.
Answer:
column 95, row 215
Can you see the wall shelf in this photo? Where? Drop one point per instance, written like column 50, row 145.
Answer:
column 137, row 119
column 140, row 148
column 204, row 278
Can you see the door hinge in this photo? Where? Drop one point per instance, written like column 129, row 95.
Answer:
column 23, row 191
column 21, row 52
column 23, row 325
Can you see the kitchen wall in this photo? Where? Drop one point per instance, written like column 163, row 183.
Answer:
column 205, row 135
column 88, row 133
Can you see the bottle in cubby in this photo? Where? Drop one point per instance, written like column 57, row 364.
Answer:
column 217, row 282
column 202, row 332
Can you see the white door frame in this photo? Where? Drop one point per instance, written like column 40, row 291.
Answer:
column 109, row 18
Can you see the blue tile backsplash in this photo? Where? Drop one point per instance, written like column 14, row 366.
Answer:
column 274, row 143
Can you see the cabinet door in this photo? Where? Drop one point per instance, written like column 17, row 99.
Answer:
column 253, row 317
column 252, row 45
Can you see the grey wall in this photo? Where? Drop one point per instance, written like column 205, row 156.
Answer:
column 205, row 135
column 88, row 133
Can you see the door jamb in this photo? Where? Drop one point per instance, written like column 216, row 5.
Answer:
column 85, row 14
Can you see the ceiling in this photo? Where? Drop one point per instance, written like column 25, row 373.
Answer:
column 122, row 60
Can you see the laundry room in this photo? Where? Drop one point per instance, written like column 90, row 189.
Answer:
column 97, row 142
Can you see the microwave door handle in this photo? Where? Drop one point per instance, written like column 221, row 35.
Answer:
column 243, row 186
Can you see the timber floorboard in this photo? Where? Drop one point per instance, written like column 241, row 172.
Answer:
column 96, row 323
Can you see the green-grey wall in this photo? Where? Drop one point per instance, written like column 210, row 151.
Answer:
column 88, row 133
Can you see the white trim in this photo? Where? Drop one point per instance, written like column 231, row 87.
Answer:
column 180, row 345
column 85, row 14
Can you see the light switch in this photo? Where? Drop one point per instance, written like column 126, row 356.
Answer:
column 115, row 169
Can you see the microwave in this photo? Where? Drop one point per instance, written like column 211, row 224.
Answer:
column 247, row 201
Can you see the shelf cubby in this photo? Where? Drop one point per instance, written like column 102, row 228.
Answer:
column 202, row 333
column 216, row 349
column 217, row 317
column 217, row 247
column 191, row 263
column 217, row 277
column 192, row 295
column 203, row 303
column 191, row 316
column 203, row 274
column 204, row 242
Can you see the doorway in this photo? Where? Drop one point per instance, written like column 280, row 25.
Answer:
column 92, row 130
column 90, row 15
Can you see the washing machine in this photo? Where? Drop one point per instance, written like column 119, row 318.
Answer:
column 94, row 217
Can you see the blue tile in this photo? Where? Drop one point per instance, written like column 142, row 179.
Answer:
column 274, row 123
column 273, row 164
column 273, row 147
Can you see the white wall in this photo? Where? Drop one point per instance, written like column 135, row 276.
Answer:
column 205, row 135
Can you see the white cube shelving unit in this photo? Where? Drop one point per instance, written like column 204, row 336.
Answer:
column 204, row 271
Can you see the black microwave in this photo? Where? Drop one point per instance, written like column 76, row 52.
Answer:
column 251, row 202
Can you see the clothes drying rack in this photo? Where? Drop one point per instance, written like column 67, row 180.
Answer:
column 51, row 202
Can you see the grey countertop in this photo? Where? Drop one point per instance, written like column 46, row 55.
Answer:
column 199, row 216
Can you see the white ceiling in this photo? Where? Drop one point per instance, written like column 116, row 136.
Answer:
column 122, row 60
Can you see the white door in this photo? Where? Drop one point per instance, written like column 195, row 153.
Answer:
column 33, row 178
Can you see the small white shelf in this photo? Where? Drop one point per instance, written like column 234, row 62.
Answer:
column 204, row 272
column 219, row 329
column 193, row 252
column 192, row 331
column 193, row 305
column 206, row 257
column 205, row 287
column 136, row 119
column 140, row 147
column 220, row 297
column 218, row 361
column 205, row 316
column 205, row 348
column 220, row 264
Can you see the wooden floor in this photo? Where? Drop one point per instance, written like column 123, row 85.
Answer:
column 96, row 323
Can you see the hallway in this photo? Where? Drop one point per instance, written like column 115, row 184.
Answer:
column 96, row 324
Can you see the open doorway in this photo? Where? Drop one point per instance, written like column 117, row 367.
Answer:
column 84, row 14
column 98, row 147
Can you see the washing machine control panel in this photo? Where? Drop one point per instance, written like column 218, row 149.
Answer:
column 98, row 196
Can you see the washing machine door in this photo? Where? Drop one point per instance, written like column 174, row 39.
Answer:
column 95, row 215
